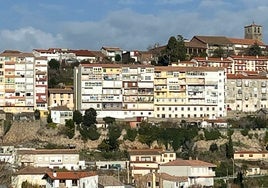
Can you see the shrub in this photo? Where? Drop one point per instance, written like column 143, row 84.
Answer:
column 212, row 134
column 131, row 134
column 244, row 132
column 213, row 147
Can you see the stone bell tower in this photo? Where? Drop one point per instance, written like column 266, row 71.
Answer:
column 253, row 31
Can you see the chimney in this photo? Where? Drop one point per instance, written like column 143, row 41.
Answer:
column 54, row 173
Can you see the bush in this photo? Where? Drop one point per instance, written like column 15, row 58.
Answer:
column 212, row 134
column 131, row 134
column 213, row 147
column 244, row 132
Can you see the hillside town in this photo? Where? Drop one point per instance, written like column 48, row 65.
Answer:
column 181, row 111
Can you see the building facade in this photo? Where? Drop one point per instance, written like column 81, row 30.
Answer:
column 125, row 91
column 56, row 158
column 61, row 97
column 246, row 92
column 17, row 81
column 253, row 31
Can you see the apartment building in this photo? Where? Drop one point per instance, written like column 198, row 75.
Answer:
column 249, row 63
column 227, row 64
column 119, row 91
column 144, row 161
column 41, row 85
column 17, row 80
column 198, row 172
column 251, row 155
column 189, row 92
column 125, row 91
column 246, row 92
column 51, row 158
column 23, row 82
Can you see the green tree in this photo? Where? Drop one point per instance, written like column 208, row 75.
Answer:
column 229, row 148
column 212, row 134
column 213, row 147
column 181, row 48
column 37, row 114
column 117, row 57
column 49, row 119
column 172, row 50
column 90, row 117
column 77, row 117
column 54, row 64
column 69, row 128
column 89, row 132
column 109, row 120
column 131, row 134
column 254, row 50
column 219, row 52
column 147, row 133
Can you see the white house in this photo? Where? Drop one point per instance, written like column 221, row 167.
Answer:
column 30, row 174
column 7, row 154
column 198, row 172
column 144, row 161
column 60, row 114
column 52, row 158
column 71, row 179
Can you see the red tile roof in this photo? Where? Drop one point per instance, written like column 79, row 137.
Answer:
column 180, row 162
column 33, row 170
column 212, row 59
column 60, row 90
column 86, row 53
column 243, row 57
column 211, row 40
column 243, row 76
column 145, row 152
column 47, row 151
column 251, row 152
column 75, row 175
column 111, row 48
column 246, row 41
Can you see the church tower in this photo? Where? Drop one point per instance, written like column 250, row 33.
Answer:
column 253, row 31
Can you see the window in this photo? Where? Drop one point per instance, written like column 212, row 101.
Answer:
column 250, row 155
column 149, row 184
column 74, row 182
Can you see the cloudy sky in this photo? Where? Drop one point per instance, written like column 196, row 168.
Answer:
column 128, row 24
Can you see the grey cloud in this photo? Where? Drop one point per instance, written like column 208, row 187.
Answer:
column 27, row 38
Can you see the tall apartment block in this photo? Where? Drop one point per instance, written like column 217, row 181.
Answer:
column 189, row 92
column 22, row 83
column 41, row 85
column 124, row 91
column 114, row 90
column 246, row 92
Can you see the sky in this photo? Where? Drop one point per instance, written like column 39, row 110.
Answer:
column 128, row 24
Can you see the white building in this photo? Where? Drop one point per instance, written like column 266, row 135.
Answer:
column 126, row 91
column 198, row 172
column 71, row 179
column 52, row 158
column 119, row 91
column 30, row 174
column 144, row 161
column 60, row 114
